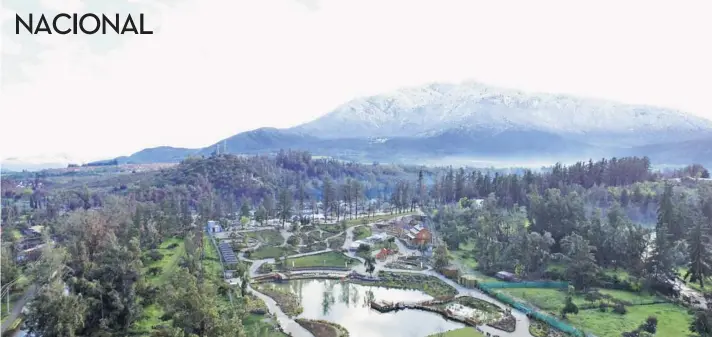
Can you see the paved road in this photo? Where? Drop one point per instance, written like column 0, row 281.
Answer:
column 17, row 308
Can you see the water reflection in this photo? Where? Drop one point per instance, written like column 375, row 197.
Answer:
column 349, row 305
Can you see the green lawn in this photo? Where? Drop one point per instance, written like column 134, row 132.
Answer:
column 462, row 332
column 330, row 259
column 169, row 262
column 464, row 255
column 362, row 232
column 672, row 320
column 266, row 252
column 631, row 297
column 546, row 299
column 151, row 317
column 211, row 261
column 554, row 299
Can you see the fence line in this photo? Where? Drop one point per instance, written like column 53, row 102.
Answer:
column 531, row 312
column 540, row 284
column 222, row 266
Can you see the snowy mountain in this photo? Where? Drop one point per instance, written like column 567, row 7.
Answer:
column 436, row 108
column 470, row 121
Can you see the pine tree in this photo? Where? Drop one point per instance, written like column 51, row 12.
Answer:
column 700, row 266
column 284, row 205
column 660, row 263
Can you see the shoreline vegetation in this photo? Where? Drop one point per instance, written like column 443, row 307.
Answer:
column 321, row 328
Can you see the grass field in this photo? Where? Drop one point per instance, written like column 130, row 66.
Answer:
column 169, row 262
column 462, row 332
column 672, row 320
column 169, row 265
column 554, row 299
column 546, row 299
column 330, row 259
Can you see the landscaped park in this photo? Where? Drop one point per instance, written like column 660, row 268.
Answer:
column 405, row 287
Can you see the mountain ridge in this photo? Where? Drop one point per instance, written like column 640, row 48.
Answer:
column 472, row 120
column 430, row 108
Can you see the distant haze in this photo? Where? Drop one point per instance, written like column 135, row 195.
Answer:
column 281, row 63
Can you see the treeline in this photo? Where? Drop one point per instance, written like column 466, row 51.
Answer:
column 556, row 228
column 514, row 189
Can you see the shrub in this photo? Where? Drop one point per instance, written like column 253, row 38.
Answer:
column 223, row 289
column 603, row 307
column 148, row 295
column 569, row 307
column 155, row 255
column 620, row 309
column 293, row 240
column 154, row 271
column 592, row 296
column 172, row 246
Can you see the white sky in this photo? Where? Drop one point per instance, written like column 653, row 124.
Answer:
column 219, row 67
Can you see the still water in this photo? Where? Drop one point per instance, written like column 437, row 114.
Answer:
column 348, row 305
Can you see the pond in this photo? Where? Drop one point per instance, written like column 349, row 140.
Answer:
column 348, row 305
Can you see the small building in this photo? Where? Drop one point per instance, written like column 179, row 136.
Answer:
column 383, row 254
column 214, row 227
column 468, row 280
column 506, row 276
column 478, row 203
column 423, row 237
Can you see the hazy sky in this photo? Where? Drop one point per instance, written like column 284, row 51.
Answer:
column 217, row 67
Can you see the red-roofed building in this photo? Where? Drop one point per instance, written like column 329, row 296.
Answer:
column 422, row 237
column 383, row 253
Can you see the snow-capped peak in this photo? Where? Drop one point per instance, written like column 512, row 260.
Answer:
column 472, row 105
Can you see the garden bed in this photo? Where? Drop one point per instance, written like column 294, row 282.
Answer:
column 404, row 266
column 430, row 285
column 329, row 259
column 541, row 329
column 331, row 228
column 273, row 252
column 269, row 236
column 321, row 328
column 362, row 232
column 337, row 243
column 314, row 247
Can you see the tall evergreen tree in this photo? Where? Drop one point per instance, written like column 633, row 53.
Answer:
column 660, row 263
column 700, row 251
